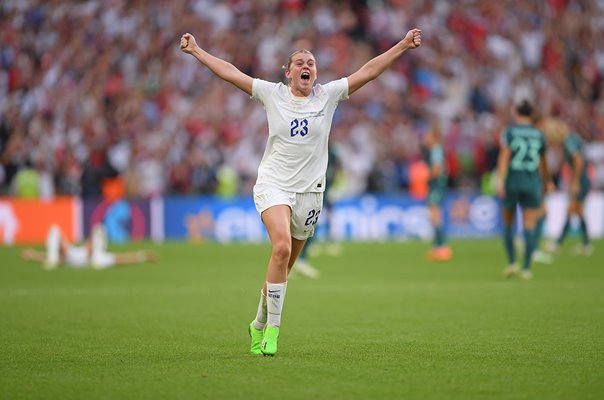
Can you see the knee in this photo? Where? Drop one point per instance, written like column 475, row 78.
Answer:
column 282, row 250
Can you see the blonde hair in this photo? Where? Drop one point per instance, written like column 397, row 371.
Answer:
column 290, row 59
column 554, row 129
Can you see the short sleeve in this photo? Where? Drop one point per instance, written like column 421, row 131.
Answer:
column 261, row 89
column 337, row 90
column 436, row 156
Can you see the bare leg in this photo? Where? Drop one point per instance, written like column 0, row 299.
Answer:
column 297, row 246
column 277, row 222
column 33, row 255
column 135, row 257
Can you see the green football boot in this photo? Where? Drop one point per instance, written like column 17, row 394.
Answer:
column 257, row 336
column 269, row 342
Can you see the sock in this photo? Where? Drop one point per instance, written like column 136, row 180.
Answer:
column 529, row 247
column 539, row 231
column 275, row 293
column 439, row 236
column 53, row 245
column 583, row 227
column 564, row 231
column 260, row 320
column 508, row 241
column 584, row 236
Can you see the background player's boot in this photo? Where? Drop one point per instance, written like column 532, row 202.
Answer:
column 542, row 257
column 441, row 253
column 256, row 336
column 510, row 271
column 552, row 247
column 583, row 250
column 303, row 268
column 526, row 274
column 269, row 343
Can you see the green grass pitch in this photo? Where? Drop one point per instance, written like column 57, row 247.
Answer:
column 380, row 323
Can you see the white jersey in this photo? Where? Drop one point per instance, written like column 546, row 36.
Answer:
column 295, row 158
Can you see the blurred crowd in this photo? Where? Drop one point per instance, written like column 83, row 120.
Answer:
column 96, row 97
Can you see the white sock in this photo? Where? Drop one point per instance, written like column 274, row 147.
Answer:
column 275, row 296
column 260, row 320
column 53, row 244
column 98, row 239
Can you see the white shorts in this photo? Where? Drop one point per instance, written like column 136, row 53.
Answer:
column 306, row 207
column 76, row 257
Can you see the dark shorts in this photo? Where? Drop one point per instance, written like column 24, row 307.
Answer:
column 583, row 191
column 526, row 197
column 436, row 193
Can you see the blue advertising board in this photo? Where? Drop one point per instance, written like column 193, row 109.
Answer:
column 212, row 219
column 366, row 218
column 124, row 219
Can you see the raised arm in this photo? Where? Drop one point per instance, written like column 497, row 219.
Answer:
column 223, row 69
column 374, row 67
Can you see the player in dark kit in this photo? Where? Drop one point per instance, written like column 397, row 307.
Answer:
column 434, row 157
column 522, row 172
column 579, row 188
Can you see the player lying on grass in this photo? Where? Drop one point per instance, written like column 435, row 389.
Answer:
column 92, row 253
column 291, row 177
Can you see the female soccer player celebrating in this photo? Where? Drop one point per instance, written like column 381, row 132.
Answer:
column 291, row 177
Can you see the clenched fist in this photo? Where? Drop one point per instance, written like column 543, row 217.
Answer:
column 413, row 38
column 187, row 43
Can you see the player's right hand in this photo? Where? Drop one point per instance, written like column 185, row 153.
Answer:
column 187, row 43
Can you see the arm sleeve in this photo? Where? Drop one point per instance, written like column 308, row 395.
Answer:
column 262, row 89
column 338, row 89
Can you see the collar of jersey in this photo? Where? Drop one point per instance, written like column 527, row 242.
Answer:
column 301, row 99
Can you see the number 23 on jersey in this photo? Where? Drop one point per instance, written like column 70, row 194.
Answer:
column 299, row 127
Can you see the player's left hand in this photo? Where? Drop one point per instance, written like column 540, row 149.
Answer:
column 413, row 38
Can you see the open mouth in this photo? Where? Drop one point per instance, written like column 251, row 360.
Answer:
column 305, row 76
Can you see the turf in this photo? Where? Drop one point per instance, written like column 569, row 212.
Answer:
column 381, row 323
